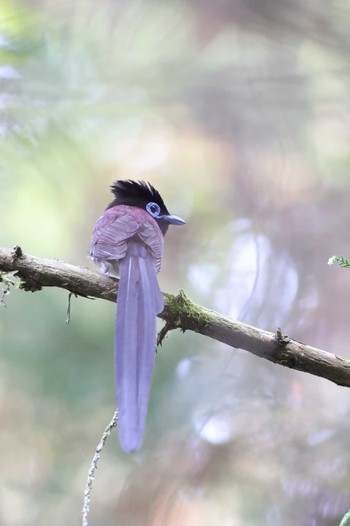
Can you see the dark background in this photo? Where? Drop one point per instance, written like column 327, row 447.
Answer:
column 238, row 112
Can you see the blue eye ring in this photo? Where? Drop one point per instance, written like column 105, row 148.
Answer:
column 153, row 209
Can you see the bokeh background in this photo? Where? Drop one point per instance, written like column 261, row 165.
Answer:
column 238, row 112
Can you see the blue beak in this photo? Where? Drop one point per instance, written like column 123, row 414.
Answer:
column 174, row 220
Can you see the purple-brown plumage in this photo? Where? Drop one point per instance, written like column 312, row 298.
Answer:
column 113, row 230
column 128, row 239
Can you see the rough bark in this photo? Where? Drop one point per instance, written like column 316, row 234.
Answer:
column 179, row 313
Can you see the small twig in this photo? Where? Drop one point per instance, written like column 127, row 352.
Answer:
column 17, row 252
column 8, row 279
column 93, row 467
column 5, row 292
column 167, row 327
column 69, row 307
column 282, row 339
column 345, row 519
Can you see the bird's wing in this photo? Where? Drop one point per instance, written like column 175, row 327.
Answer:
column 113, row 230
column 109, row 239
column 153, row 239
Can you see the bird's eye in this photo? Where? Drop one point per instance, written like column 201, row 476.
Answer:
column 153, row 209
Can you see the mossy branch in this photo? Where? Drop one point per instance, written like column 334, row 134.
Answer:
column 179, row 313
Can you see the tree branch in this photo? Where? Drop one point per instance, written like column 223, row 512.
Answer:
column 179, row 313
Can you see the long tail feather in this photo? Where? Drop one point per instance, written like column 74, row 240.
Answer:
column 139, row 302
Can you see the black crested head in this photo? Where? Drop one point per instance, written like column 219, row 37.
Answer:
column 136, row 193
column 143, row 195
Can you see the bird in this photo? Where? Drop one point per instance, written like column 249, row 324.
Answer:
column 128, row 241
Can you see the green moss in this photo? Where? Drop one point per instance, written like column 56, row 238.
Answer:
column 181, row 312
